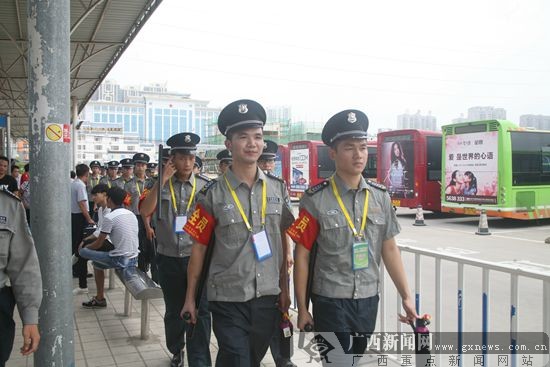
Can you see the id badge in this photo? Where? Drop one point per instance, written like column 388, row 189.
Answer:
column 179, row 223
column 261, row 246
column 360, row 255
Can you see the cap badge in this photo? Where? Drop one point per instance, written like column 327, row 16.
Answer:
column 243, row 108
column 187, row 138
column 351, row 118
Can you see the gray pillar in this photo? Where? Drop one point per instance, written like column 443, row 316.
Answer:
column 74, row 131
column 49, row 98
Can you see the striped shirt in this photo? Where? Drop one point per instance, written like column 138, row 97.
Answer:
column 122, row 226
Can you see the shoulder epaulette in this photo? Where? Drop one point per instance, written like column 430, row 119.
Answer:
column 204, row 177
column 10, row 194
column 269, row 174
column 377, row 185
column 207, row 187
column 314, row 189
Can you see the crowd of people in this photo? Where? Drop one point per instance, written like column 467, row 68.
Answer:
column 221, row 249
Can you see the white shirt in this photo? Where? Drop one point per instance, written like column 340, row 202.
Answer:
column 122, row 225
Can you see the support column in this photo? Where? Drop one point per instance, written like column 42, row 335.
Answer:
column 48, row 24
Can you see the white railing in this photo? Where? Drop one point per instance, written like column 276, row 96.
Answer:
column 486, row 268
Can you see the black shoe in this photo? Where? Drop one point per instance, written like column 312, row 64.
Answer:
column 95, row 303
column 89, row 275
column 177, row 359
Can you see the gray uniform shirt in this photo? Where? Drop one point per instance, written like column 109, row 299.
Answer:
column 170, row 243
column 111, row 183
column 333, row 273
column 135, row 187
column 92, row 182
column 235, row 275
column 18, row 260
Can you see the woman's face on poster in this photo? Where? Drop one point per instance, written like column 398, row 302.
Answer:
column 396, row 150
column 459, row 177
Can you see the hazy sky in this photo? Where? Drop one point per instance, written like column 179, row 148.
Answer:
column 320, row 57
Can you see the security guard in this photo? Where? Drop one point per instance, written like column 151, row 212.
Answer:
column 93, row 180
column 180, row 188
column 135, row 187
column 351, row 223
column 151, row 171
column 197, row 167
column 242, row 214
column 19, row 265
column 111, row 179
column 279, row 344
column 266, row 162
column 127, row 170
column 225, row 160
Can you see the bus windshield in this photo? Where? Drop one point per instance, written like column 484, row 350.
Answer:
column 530, row 158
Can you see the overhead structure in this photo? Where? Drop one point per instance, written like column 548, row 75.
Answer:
column 101, row 30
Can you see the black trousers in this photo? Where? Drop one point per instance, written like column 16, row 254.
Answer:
column 7, row 325
column 173, row 280
column 146, row 253
column 243, row 330
column 352, row 321
column 78, row 222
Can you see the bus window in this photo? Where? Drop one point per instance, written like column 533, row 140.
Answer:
column 434, row 158
column 370, row 168
column 530, row 158
column 326, row 165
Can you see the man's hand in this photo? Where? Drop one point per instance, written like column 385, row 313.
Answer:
column 410, row 312
column 31, row 338
column 304, row 318
column 189, row 307
column 284, row 300
column 150, row 233
column 168, row 171
column 80, row 245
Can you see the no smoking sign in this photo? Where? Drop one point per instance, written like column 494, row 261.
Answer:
column 58, row 133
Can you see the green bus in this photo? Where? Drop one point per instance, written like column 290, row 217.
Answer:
column 497, row 166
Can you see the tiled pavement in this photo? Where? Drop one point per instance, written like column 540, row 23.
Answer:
column 106, row 338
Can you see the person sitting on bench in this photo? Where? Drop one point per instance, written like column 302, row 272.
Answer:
column 122, row 228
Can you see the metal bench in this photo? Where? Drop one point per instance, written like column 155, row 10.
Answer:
column 142, row 288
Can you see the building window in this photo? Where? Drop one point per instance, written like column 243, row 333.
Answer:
column 114, row 147
column 98, row 156
column 131, row 147
column 98, row 147
column 115, row 140
column 97, row 139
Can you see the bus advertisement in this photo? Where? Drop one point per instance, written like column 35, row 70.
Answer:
column 310, row 163
column 497, row 166
column 299, row 163
column 409, row 165
column 471, row 170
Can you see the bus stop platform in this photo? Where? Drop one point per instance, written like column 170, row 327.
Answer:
column 107, row 338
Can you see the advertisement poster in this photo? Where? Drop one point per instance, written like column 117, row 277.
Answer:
column 471, row 168
column 397, row 166
column 299, row 165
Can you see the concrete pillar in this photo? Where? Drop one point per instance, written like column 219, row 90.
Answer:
column 48, row 25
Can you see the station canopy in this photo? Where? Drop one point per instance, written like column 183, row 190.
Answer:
column 101, row 30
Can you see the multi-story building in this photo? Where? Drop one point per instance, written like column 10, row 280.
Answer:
column 539, row 122
column 480, row 113
column 135, row 119
column 417, row 121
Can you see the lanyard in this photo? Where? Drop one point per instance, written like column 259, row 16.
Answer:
column 137, row 187
column 175, row 203
column 236, row 199
column 346, row 214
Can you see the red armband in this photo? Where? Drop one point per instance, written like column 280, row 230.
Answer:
column 304, row 230
column 200, row 225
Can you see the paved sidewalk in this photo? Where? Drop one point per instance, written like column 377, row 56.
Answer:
column 106, row 338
